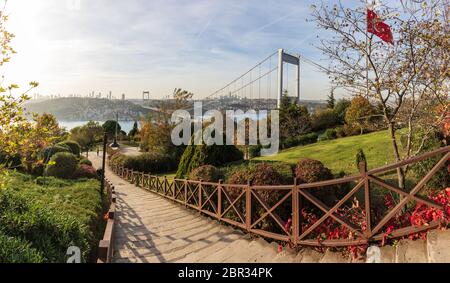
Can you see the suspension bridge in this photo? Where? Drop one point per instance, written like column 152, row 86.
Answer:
column 262, row 86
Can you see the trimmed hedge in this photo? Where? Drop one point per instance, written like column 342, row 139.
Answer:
column 153, row 163
column 300, row 140
column 74, row 147
column 65, row 165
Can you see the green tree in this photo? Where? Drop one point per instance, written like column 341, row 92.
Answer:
column 359, row 113
column 340, row 108
column 109, row 127
column 331, row 101
column 155, row 133
column 294, row 119
column 134, row 131
column 87, row 135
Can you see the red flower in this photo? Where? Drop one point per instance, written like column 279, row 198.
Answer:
column 280, row 248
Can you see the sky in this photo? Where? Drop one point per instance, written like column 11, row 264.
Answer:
column 79, row 46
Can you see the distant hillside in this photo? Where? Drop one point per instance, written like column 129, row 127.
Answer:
column 83, row 109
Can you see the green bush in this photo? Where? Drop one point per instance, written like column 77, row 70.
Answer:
column 254, row 151
column 15, row 250
column 74, row 147
column 441, row 179
column 38, row 169
column 65, row 164
column 207, row 173
column 52, row 150
column 330, row 134
column 324, row 119
column 340, row 132
column 85, row 161
column 360, row 157
column 49, row 230
column 311, row 171
column 300, row 140
column 261, row 174
column 9, row 161
column 197, row 155
column 153, row 163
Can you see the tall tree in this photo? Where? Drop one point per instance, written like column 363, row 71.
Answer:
column 414, row 68
column 156, row 129
column 16, row 132
column 331, row 101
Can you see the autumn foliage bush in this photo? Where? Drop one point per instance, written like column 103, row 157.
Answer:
column 261, row 175
column 85, row 171
column 207, row 173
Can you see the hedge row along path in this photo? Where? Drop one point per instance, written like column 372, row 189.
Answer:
column 152, row 229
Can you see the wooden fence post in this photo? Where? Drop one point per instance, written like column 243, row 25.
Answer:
column 364, row 176
column 295, row 212
column 165, row 185
column 185, row 192
column 219, row 200
column 248, row 205
column 200, row 195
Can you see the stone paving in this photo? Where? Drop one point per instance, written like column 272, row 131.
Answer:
column 152, row 229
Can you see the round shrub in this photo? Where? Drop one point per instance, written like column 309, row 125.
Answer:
column 258, row 175
column 85, row 161
column 207, row 173
column 62, row 165
column 74, row 147
column 85, row 171
column 261, row 175
column 311, row 171
column 52, row 150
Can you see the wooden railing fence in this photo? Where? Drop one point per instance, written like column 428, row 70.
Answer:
column 106, row 245
column 220, row 200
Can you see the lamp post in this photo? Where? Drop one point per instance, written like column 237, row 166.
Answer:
column 102, row 180
column 115, row 144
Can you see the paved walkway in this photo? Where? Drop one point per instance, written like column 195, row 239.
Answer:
column 153, row 229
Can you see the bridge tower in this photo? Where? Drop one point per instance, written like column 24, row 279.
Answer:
column 284, row 57
column 146, row 95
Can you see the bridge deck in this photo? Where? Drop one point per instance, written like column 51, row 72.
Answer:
column 152, row 229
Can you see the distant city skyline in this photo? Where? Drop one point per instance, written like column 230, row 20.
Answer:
column 127, row 47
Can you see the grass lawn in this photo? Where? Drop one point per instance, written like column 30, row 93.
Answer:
column 339, row 154
column 53, row 215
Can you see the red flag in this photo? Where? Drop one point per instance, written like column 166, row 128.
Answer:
column 376, row 26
